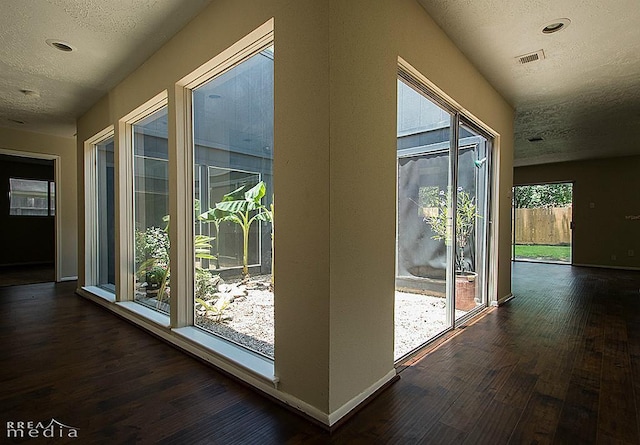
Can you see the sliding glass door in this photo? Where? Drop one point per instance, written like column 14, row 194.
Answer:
column 471, row 222
column 443, row 170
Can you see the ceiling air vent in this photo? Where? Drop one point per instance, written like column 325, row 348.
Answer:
column 531, row 57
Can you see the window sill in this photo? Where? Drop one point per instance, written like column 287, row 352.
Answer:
column 260, row 366
column 148, row 314
column 99, row 292
column 208, row 347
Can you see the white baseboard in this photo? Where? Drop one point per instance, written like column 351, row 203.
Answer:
column 260, row 377
column 334, row 417
column 68, row 279
column 345, row 409
column 504, row 299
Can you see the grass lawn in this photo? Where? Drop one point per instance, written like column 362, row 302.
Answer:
column 543, row 252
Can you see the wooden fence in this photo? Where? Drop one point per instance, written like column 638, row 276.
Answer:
column 544, row 225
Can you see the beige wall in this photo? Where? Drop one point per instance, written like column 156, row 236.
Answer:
column 12, row 141
column 605, row 200
column 335, row 144
column 427, row 48
column 363, row 171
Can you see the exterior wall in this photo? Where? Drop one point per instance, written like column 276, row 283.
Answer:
column 606, row 207
column 335, row 159
column 40, row 145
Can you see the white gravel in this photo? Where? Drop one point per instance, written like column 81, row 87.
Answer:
column 249, row 320
column 417, row 318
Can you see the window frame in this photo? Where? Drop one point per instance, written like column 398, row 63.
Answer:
column 178, row 328
column 259, row 40
column 51, row 198
column 126, row 157
column 91, row 236
column 461, row 117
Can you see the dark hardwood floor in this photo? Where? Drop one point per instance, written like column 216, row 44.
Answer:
column 26, row 274
column 560, row 363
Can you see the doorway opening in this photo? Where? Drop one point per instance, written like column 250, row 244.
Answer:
column 542, row 222
column 28, row 218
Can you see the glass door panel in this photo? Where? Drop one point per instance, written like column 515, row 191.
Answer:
column 423, row 258
column 471, row 219
column 444, row 164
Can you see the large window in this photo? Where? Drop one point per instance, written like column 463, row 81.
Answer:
column 182, row 237
column 233, row 201
column 105, row 214
column 151, row 210
column 31, row 197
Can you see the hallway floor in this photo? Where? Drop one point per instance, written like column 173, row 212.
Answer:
column 29, row 274
column 560, row 363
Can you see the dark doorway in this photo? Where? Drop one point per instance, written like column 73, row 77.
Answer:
column 27, row 218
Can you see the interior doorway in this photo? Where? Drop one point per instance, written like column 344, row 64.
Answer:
column 542, row 222
column 28, row 218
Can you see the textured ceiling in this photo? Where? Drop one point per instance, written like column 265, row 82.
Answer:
column 110, row 39
column 583, row 98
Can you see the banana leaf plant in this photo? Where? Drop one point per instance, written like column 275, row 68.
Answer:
column 215, row 217
column 244, row 208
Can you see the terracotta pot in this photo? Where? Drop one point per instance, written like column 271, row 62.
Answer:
column 466, row 291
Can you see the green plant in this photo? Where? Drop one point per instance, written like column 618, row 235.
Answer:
column 153, row 242
column 214, row 216
column 155, row 275
column 152, row 259
column 543, row 195
column 152, row 256
column 466, row 215
column 216, row 309
column 244, row 208
column 206, row 284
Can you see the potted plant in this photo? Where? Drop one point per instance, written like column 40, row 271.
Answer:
column 466, row 215
column 154, row 277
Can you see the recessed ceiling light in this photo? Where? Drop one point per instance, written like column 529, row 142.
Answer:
column 59, row 45
column 536, row 139
column 555, row 26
